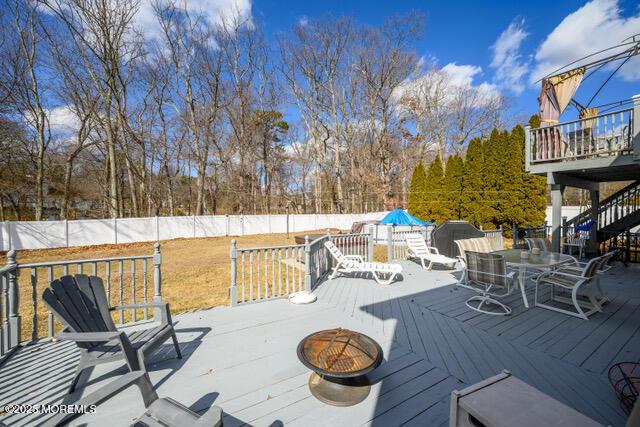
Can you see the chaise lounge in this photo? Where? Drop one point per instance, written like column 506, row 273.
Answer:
column 348, row 264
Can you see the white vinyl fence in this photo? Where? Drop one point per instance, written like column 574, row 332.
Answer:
column 57, row 234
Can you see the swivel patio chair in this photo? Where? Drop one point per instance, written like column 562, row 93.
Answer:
column 427, row 255
column 80, row 303
column 347, row 264
column 159, row 411
column 576, row 285
column 538, row 243
column 487, row 274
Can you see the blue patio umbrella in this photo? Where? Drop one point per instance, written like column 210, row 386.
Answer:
column 400, row 217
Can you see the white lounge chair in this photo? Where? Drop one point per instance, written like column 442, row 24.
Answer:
column 428, row 255
column 356, row 264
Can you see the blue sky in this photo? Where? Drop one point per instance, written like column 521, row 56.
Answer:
column 465, row 33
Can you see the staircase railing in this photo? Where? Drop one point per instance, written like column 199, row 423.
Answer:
column 613, row 208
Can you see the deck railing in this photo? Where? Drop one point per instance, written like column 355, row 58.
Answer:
column 607, row 134
column 397, row 245
column 23, row 318
column 263, row 273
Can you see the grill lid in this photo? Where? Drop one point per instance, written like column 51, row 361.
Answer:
column 340, row 353
column 445, row 234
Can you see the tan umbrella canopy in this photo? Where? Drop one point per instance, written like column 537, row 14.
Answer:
column 556, row 93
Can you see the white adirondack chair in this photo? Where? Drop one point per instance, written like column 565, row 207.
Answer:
column 347, row 264
column 428, row 255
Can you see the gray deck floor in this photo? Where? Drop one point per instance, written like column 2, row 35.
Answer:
column 244, row 359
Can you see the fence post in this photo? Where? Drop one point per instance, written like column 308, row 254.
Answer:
column 389, row 243
column 157, row 229
column 286, row 209
column 233, row 289
column 115, row 231
column 66, row 232
column 242, row 225
column 157, row 279
column 14, row 300
column 194, row 226
column 545, row 233
column 227, row 225
column 563, row 231
column 514, row 235
column 370, row 242
column 307, row 264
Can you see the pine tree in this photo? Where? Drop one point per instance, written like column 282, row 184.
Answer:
column 453, row 186
column 534, row 193
column 434, row 195
column 513, row 192
column 416, row 205
column 492, row 179
column 472, row 192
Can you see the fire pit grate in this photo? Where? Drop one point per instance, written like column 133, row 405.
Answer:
column 339, row 358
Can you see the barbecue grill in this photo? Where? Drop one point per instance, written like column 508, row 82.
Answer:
column 445, row 234
column 340, row 360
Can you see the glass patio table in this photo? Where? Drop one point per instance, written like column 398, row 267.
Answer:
column 540, row 261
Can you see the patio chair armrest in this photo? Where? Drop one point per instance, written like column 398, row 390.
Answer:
column 211, row 418
column 106, row 392
column 165, row 313
column 354, row 258
column 89, row 336
column 433, row 250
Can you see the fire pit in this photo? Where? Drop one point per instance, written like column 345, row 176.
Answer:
column 339, row 359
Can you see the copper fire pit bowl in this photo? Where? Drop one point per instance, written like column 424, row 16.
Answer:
column 339, row 359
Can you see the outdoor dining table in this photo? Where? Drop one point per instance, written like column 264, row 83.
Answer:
column 540, row 261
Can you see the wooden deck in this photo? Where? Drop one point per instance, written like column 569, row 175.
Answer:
column 243, row 358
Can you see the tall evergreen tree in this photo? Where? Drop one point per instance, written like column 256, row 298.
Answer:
column 436, row 205
column 416, row 205
column 473, row 191
column 534, row 194
column 453, row 186
column 492, row 178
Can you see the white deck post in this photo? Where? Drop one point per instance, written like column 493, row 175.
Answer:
column 389, row 243
column 592, row 243
column 556, row 217
column 233, row 288
column 307, row 264
column 157, row 280
column 14, row 301
column 370, row 242
column 635, row 130
column 527, row 146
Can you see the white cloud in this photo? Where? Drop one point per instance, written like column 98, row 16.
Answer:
column 303, row 21
column 597, row 25
column 507, row 61
column 62, row 120
column 462, row 76
column 213, row 11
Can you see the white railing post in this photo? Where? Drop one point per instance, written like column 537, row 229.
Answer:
column 115, row 231
column 307, row 264
column 635, row 127
column 527, row 147
column 233, row 288
column 13, row 315
column 370, row 243
column 157, row 280
column 389, row 243
column 66, row 232
column 157, row 229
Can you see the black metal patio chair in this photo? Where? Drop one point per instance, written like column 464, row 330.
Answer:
column 80, row 303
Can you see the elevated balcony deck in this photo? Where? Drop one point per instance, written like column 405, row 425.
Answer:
column 602, row 148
